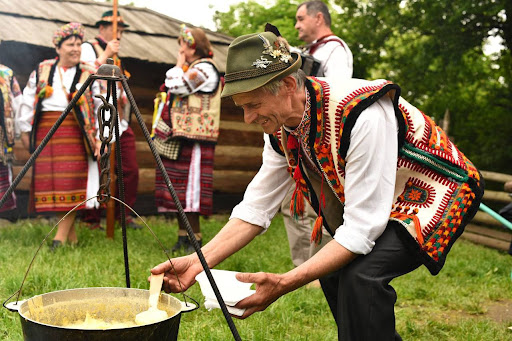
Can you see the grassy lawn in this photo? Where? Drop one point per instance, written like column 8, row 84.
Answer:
column 458, row 304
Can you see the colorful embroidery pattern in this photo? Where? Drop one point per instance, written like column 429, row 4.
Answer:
column 437, row 184
column 438, row 243
column 417, row 193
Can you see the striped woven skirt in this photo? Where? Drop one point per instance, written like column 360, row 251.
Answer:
column 191, row 176
column 5, row 182
column 59, row 180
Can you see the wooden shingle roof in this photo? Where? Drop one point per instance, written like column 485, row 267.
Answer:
column 151, row 36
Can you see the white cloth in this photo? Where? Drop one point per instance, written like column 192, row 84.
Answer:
column 369, row 183
column 193, row 192
column 336, row 61
column 231, row 290
column 93, row 183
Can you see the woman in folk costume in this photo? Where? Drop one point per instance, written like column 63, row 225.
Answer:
column 191, row 115
column 10, row 101
column 65, row 173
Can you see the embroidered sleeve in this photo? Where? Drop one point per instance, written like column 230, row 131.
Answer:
column 194, row 78
column 201, row 77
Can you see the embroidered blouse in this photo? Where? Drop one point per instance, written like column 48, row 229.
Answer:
column 369, row 182
column 58, row 101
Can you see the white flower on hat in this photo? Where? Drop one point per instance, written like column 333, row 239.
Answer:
column 280, row 51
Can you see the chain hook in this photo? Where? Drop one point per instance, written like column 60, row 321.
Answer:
column 104, row 190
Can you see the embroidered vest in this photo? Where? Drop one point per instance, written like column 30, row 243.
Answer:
column 437, row 189
column 83, row 111
column 196, row 116
column 9, row 89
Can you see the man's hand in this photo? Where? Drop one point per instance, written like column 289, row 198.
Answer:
column 112, row 48
column 186, row 268
column 269, row 287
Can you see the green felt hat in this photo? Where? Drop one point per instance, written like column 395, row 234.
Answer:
column 108, row 18
column 256, row 59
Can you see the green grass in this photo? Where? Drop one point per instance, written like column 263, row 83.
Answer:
column 451, row 306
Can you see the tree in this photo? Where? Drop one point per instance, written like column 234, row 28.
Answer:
column 432, row 48
column 249, row 17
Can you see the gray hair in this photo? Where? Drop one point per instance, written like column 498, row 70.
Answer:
column 274, row 86
column 313, row 7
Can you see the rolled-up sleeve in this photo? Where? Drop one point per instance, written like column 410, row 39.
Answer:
column 266, row 191
column 370, row 175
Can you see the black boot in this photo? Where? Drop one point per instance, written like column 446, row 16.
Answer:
column 55, row 245
column 182, row 243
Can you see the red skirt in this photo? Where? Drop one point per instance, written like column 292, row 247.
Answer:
column 59, row 180
column 194, row 196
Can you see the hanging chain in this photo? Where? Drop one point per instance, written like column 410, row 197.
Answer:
column 104, row 190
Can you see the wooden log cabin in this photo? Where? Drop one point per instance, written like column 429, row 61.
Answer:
column 149, row 49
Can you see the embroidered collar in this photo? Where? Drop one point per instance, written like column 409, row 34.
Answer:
column 302, row 130
column 302, row 133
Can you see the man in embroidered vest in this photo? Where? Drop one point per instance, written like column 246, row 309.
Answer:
column 96, row 51
column 10, row 101
column 387, row 183
column 335, row 61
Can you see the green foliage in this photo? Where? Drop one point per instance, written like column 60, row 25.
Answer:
column 432, row 48
column 450, row 306
column 251, row 16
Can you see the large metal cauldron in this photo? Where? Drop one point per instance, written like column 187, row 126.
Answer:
column 44, row 317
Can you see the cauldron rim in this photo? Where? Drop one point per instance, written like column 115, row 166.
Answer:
column 23, row 303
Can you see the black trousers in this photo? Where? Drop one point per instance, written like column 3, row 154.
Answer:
column 359, row 295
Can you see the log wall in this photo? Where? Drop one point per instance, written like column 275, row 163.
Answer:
column 484, row 229
column 237, row 154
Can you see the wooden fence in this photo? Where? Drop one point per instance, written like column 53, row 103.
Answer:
column 484, row 229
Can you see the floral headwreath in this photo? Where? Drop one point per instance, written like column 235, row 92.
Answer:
column 186, row 35
column 73, row 28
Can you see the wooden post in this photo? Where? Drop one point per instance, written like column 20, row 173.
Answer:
column 111, row 204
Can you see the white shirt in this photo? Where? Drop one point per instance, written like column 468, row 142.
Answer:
column 370, row 175
column 58, row 101
column 336, row 61
column 88, row 54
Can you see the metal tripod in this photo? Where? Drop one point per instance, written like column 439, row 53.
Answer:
column 112, row 74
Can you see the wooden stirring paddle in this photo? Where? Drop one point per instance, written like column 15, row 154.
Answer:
column 153, row 314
